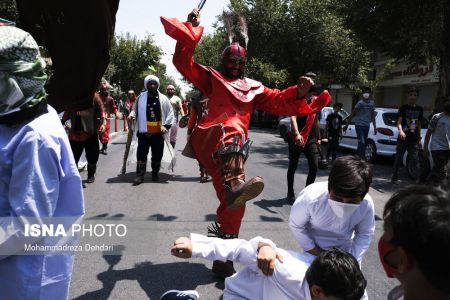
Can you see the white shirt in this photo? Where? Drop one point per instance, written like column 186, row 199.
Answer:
column 288, row 279
column 314, row 223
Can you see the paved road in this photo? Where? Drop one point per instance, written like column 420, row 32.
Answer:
column 179, row 204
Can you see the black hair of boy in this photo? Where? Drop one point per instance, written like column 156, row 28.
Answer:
column 338, row 274
column 350, row 177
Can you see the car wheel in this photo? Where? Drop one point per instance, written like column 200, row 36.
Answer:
column 418, row 171
column 283, row 131
column 370, row 151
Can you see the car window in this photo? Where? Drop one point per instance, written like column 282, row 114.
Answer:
column 390, row 119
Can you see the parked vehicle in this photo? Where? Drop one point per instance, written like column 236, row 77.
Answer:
column 384, row 142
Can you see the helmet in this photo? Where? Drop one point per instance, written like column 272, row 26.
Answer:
column 234, row 51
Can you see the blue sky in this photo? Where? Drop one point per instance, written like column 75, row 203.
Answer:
column 141, row 17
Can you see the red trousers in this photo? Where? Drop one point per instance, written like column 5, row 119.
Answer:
column 205, row 143
column 104, row 136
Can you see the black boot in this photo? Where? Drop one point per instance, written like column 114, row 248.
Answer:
column 91, row 173
column 155, row 170
column 104, row 147
column 140, row 171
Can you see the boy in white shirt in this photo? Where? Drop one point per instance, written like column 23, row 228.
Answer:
column 337, row 213
column 274, row 273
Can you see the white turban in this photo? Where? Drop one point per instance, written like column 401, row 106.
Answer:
column 151, row 78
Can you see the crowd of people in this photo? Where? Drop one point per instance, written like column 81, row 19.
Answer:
column 332, row 221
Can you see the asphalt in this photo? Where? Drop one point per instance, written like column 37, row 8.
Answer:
column 158, row 213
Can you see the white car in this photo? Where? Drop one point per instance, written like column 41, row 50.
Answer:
column 384, row 142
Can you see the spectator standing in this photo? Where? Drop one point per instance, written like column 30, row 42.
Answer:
column 111, row 109
column 439, row 132
column 177, row 108
column 363, row 114
column 409, row 121
column 334, row 131
column 304, row 137
column 83, row 134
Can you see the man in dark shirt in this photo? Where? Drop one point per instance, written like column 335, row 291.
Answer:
column 334, row 130
column 409, row 124
column 304, row 137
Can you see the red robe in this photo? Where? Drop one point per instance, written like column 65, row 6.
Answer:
column 231, row 103
column 111, row 108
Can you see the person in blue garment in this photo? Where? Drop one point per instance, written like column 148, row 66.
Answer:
column 39, row 179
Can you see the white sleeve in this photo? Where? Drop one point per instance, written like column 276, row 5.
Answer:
column 298, row 221
column 364, row 232
column 169, row 117
column 237, row 250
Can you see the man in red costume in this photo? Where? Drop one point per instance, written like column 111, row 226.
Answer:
column 111, row 108
column 220, row 140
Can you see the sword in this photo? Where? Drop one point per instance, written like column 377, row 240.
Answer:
column 201, row 4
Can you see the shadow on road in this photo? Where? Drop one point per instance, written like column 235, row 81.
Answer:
column 267, row 204
column 161, row 217
column 185, row 178
column 130, row 176
column 154, row 279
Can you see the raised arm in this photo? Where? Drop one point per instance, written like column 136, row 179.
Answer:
column 291, row 101
column 187, row 35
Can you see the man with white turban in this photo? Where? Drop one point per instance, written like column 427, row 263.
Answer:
column 39, row 179
column 153, row 114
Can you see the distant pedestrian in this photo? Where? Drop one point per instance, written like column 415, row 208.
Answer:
column 111, row 109
column 409, row 121
column 83, row 133
column 129, row 103
column 362, row 115
column 334, row 131
column 177, row 108
column 153, row 115
column 439, row 132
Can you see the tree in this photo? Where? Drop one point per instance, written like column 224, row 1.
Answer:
column 417, row 31
column 8, row 10
column 131, row 59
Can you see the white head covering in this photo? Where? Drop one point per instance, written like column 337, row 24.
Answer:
column 151, row 78
column 170, row 86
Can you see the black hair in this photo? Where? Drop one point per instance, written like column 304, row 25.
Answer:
column 420, row 220
column 413, row 89
column 338, row 104
column 366, row 89
column 338, row 274
column 350, row 176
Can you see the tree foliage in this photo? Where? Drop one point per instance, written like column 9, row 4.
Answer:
column 416, row 30
column 132, row 59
